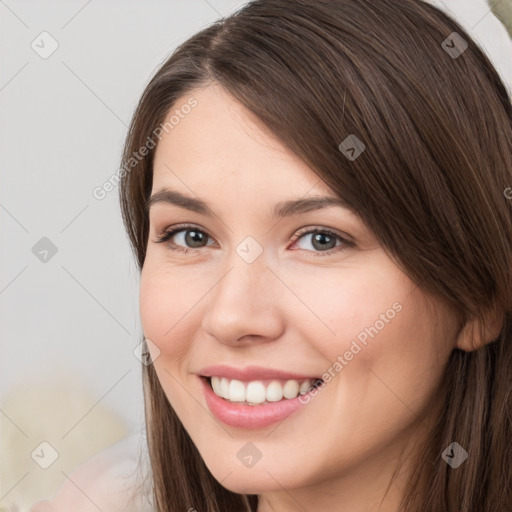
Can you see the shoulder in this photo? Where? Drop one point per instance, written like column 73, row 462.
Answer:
column 108, row 481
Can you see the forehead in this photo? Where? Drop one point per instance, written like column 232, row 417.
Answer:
column 219, row 142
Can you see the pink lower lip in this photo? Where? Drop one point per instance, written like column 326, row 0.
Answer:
column 248, row 416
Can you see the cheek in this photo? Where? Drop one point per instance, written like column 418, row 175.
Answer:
column 162, row 303
column 380, row 339
column 397, row 368
column 160, row 313
column 152, row 304
column 352, row 305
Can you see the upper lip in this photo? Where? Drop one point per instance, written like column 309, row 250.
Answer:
column 249, row 373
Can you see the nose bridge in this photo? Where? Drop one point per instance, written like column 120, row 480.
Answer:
column 245, row 282
column 244, row 300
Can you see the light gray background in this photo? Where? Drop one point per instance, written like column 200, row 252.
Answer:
column 74, row 319
column 63, row 122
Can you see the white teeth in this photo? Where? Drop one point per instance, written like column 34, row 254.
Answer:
column 291, row 389
column 304, row 387
column 224, row 388
column 255, row 392
column 236, row 391
column 274, row 391
column 216, row 386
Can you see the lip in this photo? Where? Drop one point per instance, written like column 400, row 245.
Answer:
column 251, row 373
column 248, row 416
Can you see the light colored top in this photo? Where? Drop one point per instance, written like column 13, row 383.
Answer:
column 117, row 479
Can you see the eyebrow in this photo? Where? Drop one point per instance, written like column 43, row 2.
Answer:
column 280, row 210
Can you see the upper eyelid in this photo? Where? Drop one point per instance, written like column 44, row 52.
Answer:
column 178, row 227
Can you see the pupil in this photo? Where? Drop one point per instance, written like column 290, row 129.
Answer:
column 320, row 237
column 193, row 237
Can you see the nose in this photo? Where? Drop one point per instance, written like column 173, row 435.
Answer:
column 244, row 306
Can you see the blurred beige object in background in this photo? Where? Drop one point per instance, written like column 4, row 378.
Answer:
column 502, row 9
column 72, row 424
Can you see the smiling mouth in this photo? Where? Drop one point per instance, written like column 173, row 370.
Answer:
column 260, row 392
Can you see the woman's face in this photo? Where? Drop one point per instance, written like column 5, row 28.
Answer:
column 242, row 288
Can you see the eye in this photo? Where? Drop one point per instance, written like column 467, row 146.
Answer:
column 323, row 241
column 187, row 237
column 190, row 236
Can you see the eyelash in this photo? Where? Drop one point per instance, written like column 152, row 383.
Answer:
column 167, row 235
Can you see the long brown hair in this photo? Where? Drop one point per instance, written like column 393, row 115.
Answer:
column 432, row 183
